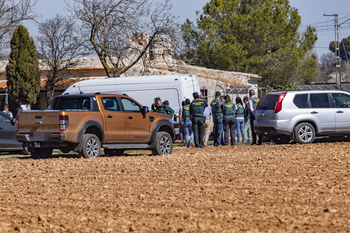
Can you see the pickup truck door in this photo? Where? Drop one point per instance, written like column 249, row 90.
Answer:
column 114, row 120
column 137, row 124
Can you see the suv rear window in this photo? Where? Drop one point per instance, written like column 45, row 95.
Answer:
column 300, row 100
column 71, row 103
column 268, row 102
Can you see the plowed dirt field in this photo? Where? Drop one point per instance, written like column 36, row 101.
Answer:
column 269, row 188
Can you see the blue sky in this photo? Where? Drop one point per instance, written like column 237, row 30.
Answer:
column 311, row 12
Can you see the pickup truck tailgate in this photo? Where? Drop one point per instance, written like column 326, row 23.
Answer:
column 43, row 121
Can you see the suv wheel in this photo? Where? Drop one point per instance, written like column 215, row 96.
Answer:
column 163, row 144
column 37, row 153
column 304, row 133
column 91, row 146
column 114, row 152
column 281, row 139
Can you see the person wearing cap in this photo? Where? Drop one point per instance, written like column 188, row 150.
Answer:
column 162, row 108
column 196, row 110
column 217, row 118
column 228, row 110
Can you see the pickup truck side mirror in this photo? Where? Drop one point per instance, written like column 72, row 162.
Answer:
column 144, row 110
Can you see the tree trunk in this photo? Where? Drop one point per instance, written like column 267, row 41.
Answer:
column 49, row 91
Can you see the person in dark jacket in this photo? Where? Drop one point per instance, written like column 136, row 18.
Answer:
column 217, row 118
column 246, row 128
column 253, row 102
column 196, row 110
column 186, row 123
column 228, row 111
column 162, row 108
column 239, row 119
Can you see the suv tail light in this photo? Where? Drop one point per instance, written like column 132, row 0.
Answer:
column 16, row 122
column 279, row 101
column 64, row 122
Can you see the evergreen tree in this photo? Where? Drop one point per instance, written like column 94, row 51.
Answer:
column 253, row 36
column 22, row 71
column 344, row 48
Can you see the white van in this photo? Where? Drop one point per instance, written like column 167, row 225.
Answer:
column 174, row 88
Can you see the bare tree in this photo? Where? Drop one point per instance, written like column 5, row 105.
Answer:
column 12, row 14
column 121, row 32
column 59, row 44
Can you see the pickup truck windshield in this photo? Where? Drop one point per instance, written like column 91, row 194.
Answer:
column 70, row 103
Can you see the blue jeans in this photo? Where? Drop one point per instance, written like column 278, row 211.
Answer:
column 181, row 132
column 239, row 127
column 218, row 128
column 187, row 128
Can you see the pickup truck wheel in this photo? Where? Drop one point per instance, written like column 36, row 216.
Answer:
column 114, row 152
column 163, row 144
column 37, row 153
column 304, row 133
column 91, row 146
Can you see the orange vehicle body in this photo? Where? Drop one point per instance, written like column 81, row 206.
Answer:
column 117, row 120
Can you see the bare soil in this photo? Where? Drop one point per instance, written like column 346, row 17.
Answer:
column 269, row 188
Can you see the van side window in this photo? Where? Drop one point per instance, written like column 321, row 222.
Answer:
column 130, row 106
column 110, row 104
column 319, row 100
column 341, row 100
column 300, row 100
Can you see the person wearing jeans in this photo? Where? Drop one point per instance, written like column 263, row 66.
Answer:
column 186, row 123
column 240, row 119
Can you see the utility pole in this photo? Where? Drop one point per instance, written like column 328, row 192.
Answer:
column 336, row 47
column 337, row 50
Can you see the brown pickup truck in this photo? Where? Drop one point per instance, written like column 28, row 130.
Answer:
column 86, row 123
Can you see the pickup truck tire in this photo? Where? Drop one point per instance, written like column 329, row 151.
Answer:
column 114, row 152
column 91, row 146
column 41, row 153
column 163, row 144
column 304, row 133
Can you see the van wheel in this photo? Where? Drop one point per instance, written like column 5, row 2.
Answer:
column 304, row 133
column 91, row 146
column 37, row 153
column 281, row 139
column 163, row 144
column 114, row 152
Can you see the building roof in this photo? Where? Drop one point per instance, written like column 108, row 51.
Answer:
column 93, row 63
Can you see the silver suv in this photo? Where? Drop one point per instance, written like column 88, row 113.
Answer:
column 302, row 115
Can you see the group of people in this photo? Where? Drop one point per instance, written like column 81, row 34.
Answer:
column 228, row 117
